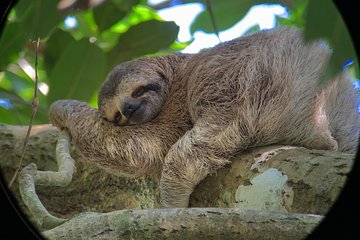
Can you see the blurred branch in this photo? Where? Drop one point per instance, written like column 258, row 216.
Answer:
column 65, row 5
column 5, row 13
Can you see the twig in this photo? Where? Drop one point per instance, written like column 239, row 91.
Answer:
column 35, row 104
column 30, row 176
column 212, row 18
column 6, row 11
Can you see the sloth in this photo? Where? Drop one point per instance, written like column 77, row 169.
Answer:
column 183, row 116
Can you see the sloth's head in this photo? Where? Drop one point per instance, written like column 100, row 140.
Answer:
column 133, row 93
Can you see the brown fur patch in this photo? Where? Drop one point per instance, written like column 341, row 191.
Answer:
column 252, row 91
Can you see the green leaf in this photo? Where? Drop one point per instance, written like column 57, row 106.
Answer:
column 17, row 83
column 126, row 5
column 252, row 29
column 323, row 21
column 144, row 38
column 11, row 42
column 78, row 72
column 178, row 46
column 22, row 9
column 321, row 15
column 356, row 70
column 226, row 14
column 7, row 116
column 86, row 26
column 55, row 46
column 296, row 14
column 107, row 14
column 19, row 112
column 41, row 19
column 11, row 96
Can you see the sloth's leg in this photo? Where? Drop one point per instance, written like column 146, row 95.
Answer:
column 310, row 127
column 200, row 152
column 319, row 139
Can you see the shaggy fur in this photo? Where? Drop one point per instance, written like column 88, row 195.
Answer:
column 256, row 90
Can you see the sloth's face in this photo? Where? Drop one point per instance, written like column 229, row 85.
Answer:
column 133, row 94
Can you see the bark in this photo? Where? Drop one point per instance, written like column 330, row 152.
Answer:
column 281, row 179
column 190, row 223
column 30, row 177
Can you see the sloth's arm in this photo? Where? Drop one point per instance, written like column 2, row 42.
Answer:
column 134, row 150
column 198, row 153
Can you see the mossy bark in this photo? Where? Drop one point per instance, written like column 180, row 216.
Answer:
column 190, row 223
column 278, row 179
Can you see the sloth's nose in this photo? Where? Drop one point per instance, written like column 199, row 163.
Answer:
column 129, row 107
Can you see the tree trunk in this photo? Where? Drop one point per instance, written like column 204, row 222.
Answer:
column 274, row 182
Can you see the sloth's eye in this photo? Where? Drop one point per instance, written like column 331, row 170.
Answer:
column 138, row 92
column 143, row 89
column 117, row 117
column 153, row 87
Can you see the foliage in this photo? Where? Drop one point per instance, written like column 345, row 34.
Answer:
column 333, row 29
column 320, row 20
column 75, row 60
column 226, row 13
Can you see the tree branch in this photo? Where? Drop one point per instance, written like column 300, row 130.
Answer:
column 274, row 181
column 30, row 176
column 190, row 223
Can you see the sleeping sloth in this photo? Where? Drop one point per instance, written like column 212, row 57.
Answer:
column 184, row 116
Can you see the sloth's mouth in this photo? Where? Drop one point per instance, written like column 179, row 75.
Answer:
column 136, row 117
